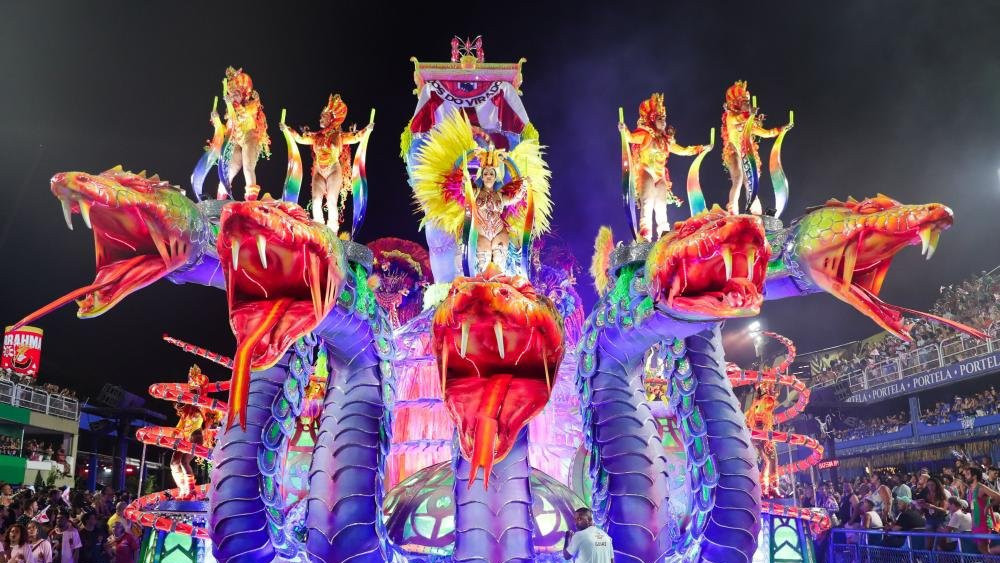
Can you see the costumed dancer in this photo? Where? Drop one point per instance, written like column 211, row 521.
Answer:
column 331, row 178
column 196, row 425
column 741, row 123
column 652, row 143
column 246, row 132
column 760, row 418
column 503, row 193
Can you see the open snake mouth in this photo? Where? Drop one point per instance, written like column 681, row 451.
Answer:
column 283, row 275
column 134, row 244
column 854, row 270
column 498, row 345
column 712, row 266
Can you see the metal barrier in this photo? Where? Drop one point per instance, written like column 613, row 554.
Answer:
column 949, row 351
column 879, row 546
column 6, row 392
column 33, row 398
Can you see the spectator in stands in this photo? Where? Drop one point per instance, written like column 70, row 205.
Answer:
column 931, row 500
column 979, row 497
column 38, row 543
column 6, row 495
column 870, row 517
column 93, row 538
column 958, row 521
column 806, row 500
column 909, row 519
column 119, row 516
column 15, row 545
column 56, row 499
column 992, row 478
column 68, row 538
column 122, row 546
column 880, row 496
column 848, row 508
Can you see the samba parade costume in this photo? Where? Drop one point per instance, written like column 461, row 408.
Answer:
column 508, row 197
column 741, row 123
column 245, row 134
column 196, row 425
column 651, row 144
column 331, row 180
column 760, row 418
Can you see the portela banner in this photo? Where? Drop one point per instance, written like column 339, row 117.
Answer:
column 22, row 350
column 942, row 376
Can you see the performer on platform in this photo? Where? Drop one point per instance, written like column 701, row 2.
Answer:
column 652, row 143
column 739, row 149
column 246, row 131
column 331, row 179
column 760, row 418
column 195, row 425
column 493, row 199
column 457, row 164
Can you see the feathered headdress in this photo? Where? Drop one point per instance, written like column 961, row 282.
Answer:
column 438, row 179
column 336, row 109
column 196, row 377
column 238, row 81
column 652, row 109
column 737, row 94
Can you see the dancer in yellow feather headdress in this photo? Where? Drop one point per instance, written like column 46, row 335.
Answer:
column 509, row 193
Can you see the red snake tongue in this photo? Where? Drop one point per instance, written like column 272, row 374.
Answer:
column 490, row 412
column 239, row 387
column 487, row 427
column 72, row 296
column 953, row 324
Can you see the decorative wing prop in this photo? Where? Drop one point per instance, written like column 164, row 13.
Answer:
column 696, row 199
column 359, row 180
column 778, row 179
column 628, row 180
column 293, row 174
column 211, row 155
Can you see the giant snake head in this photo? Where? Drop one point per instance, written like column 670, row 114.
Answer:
column 709, row 267
column 284, row 273
column 144, row 229
column 846, row 248
column 498, row 345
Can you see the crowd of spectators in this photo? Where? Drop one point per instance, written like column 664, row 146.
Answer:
column 66, row 525
column 937, row 502
column 975, row 302
column 983, row 403
column 10, row 445
column 13, row 377
column 33, row 450
column 864, row 428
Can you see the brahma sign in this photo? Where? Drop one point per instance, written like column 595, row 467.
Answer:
column 22, row 350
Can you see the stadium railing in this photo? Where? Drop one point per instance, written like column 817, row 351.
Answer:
column 35, row 399
column 880, row 546
column 932, row 356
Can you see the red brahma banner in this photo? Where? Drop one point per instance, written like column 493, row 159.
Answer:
column 22, row 350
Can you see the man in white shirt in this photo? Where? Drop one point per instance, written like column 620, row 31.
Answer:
column 71, row 544
column 589, row 544
column 958, row 521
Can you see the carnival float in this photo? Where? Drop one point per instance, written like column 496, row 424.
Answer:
column 455, row 402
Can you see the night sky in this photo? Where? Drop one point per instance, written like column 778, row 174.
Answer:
column 895, row 97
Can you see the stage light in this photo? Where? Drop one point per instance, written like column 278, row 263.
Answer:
column 754, row 326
